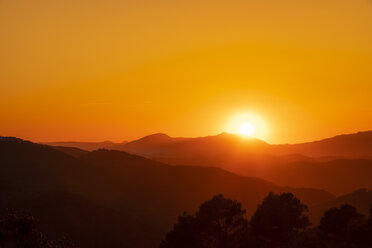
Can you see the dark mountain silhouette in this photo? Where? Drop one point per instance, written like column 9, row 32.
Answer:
column 298, row 165
column 69, row 196
column 361, row 199
column 189, row 179
column 88, row 146
column 115, row 199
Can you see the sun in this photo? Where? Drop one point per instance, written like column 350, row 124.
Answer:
column 247, row 125
column 246, row 129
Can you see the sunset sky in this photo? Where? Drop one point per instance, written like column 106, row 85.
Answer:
column 118, row 70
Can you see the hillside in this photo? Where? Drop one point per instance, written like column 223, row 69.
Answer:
column 299, row 165
column 355, row 145
column 339, row 176
column 88, row 146
column 72, row 151
column 361, row 199
column 115, row 199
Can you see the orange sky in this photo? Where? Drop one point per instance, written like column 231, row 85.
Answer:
column 118, row 70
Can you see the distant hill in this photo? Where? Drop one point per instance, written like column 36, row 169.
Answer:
column 361, row 199
column 339, row 176
column 88, row 146
column 115, row 199
column 161, row 145
column 299, row 165
column 357, row 145
column 72, row 151
column 68, row 195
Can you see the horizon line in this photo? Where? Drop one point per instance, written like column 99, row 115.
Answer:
column 192, row 137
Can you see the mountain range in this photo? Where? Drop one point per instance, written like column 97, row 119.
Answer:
column 342, row 158
column 88, row 146
column 109, row 198
column 129, row 196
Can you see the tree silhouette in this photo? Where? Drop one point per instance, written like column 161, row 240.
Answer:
column 309, row 239
column 343, row 227
column 369, row 223
column 219, row 223
column 278, row 220
column 185, row 234
column 368, row 228
column 222, row 222
column 20, row 230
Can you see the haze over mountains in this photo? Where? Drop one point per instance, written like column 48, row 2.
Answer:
column 111, row 198
column 355, row 145
column 347, row 146
column 361, row 199
column 114, row 199
column 342, row 158
column 89, row 146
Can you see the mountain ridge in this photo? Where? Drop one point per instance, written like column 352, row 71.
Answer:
column 118, row 190
column 309, row 164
